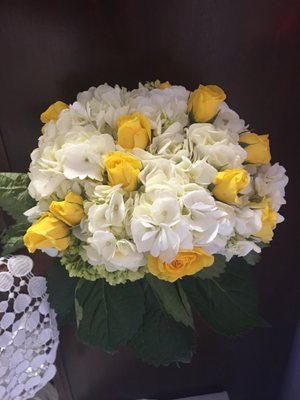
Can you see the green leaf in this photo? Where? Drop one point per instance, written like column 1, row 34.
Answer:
column 14, row 196
column 109, row 315
column 211, row 187
column 215, row 270
column 161, row 340
column 228, row 303
column 243, row 144
column 172, row 297
column 15, row 200
column 191, row 118
column 61, row 289
column 12, row 238
column 185, row 302
column 252, row 258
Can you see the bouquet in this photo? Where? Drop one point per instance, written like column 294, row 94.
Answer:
column 153, row 202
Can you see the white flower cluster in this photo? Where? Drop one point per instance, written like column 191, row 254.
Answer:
column 173, row 207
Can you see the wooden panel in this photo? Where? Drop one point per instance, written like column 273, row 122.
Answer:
column 4, row 164
column 52, row 50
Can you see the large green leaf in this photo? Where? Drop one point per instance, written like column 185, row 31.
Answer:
column 108, row 316
column 12, row 238
column 61, row 289
column 14, row 200
column 228, row 303
column 14, row 196
column 172, row 297
column 215, row 270
column 161, row 340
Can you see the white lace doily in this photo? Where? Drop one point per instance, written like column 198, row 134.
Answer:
column 28, row 330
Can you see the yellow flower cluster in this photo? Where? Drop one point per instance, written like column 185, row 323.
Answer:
column 187, row 262
column 228, row 183
column 257, row 148
column 53, row 111
column 134, row 130
column 203, row 102
column 122, row 169
column 53, row 228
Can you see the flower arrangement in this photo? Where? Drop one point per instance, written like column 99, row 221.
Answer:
column 153, row 201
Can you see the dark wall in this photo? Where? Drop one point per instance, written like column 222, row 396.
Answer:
column 52, row 50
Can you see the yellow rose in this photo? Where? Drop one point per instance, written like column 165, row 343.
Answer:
column 122, row 168
column 268, row 219
column 164, row 85
column 257, row 148
column 228, row 183
column 47, row 232
column 186, row 262
column 70, row 210
column 134, row 130
column 204, row 101
column 53, row 111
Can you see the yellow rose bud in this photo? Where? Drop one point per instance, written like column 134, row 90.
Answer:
column 257, row 148
column 186, row 262
column 228, row 183
column 122, row 168
column 47, row 232
column 53, row 111
column 134, row 130
column 164, row 85
column 268, row 219
column 70, row 210
column 204, row 101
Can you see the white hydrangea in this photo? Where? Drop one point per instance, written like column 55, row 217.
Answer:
column 101, row 106
column 211, row 222
column 109, row 215
column 225, row 228
column 229, row 120
column 215, row 146
column 271, row 181
column 61, row 158
column 82, row 231
column 101, row 193
column 247, row 221
column 107, row 232
column 85, row 159
column 162, row 175
column 113, row 211
column 240, row 248
column 43, row 183
column 163, row 107
column 67, row 186
column 169, row 142
column 45, row 171
column 204, row 217
column 117, row 255
column 200, row 172
column 159, row 228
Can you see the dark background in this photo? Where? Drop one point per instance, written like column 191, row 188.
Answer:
column 50, row 50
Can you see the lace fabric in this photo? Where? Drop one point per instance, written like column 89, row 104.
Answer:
column 28, row 330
